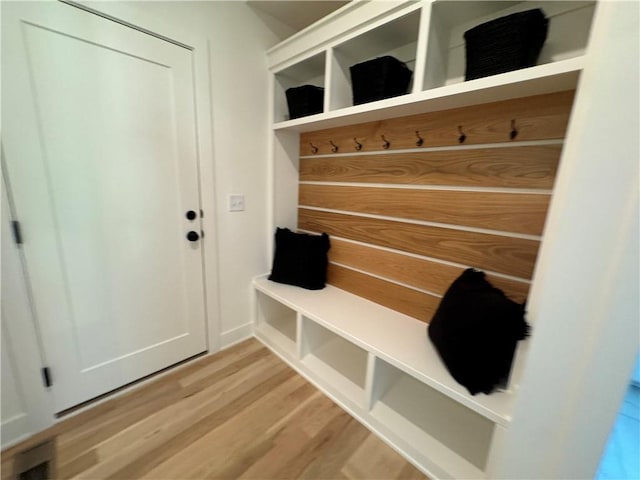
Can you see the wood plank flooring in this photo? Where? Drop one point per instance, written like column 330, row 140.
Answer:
column 239, row 414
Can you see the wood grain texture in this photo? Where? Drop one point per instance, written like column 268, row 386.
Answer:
column 416, row 272
column 500, row 254
column 405, row 300
column 241, row 413
column 538, row 117
column 508, row 212
column 532, row 167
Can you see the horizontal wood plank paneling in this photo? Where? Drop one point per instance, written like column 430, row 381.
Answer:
column 509, row 212
column 536, row 118
column 396, row 297
column 514, row 167
column 416, row 272
column 466, row 202
column 508, row 255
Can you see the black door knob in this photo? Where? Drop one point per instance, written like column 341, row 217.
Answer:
column 193, row 236
column 191, row 215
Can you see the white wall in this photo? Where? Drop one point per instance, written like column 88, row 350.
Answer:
column 237, row 40
column 240, row 117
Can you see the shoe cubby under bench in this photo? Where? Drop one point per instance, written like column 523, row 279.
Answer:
column 380, row 366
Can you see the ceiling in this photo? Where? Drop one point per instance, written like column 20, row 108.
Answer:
column 287, row 17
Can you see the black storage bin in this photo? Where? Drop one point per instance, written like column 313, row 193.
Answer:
column 382, row 77
column 304, row 100
column 505, row 44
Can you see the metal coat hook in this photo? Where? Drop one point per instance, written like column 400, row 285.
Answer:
column 314, row 149
column 385, row 142
column 462, row 136
column 514, row 131
column 334, row 147
column 420, row 140
column 358, row 144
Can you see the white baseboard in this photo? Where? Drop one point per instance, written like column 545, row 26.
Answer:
column 14, row 430
column 236, row 335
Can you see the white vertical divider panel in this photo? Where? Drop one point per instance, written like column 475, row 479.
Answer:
column 370, row 381
column 421, row 47
column 328, row 83
column 340, row 82
column 384, row 377
column 286, row 175
column 279, row 99
column 299, row 335
column 271, row 171
column 304, row 346
column 497, row 445
column 434, row 72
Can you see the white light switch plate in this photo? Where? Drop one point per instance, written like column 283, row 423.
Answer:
column 236, row 203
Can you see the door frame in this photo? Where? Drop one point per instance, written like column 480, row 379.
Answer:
column 18, row 323
column 41, row 411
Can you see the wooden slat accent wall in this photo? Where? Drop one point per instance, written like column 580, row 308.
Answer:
column 404, row 224
column 539, row 117
column 510, row 212
column 522, row 167
column 499, row 253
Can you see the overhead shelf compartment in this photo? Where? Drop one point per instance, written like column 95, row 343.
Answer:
column 310, row 71
column 449, row 21
column 428, row 36
column 555, row 77
column 397, row 38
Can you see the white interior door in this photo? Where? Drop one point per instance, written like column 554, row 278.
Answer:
column 100, row 147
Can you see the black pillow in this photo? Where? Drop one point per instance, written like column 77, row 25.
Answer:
column 475, row 331
column 300, row 259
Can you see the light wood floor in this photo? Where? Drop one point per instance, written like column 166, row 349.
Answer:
column 242, row 413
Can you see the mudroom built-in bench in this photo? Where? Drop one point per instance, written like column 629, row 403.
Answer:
column 379, row 365
column 412, row 190
column 404, row 222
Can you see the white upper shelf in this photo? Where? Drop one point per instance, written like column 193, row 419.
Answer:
column 538, row 80
column 428, row 36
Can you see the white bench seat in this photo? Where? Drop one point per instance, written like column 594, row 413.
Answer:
column 380, row 366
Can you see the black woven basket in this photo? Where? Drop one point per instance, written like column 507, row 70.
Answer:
column 382, row 77
column 304, row 100
column 505, row 44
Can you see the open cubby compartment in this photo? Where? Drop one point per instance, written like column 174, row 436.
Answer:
column 334, row 361
column 310, row 71
column 449, row 20
column 427, row 424
column 397, row 38
column 277, row 324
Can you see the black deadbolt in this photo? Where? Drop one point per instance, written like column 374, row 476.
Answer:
column 191, row 215
column 193, row 236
